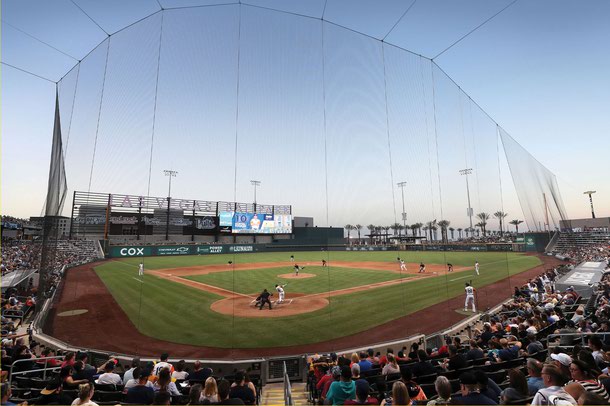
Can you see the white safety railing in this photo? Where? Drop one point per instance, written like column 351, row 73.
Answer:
column 35, row 371
column 287, row 388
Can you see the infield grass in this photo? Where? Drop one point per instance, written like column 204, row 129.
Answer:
column 177, row 313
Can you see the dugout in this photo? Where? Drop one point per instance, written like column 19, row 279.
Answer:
column 582, row 278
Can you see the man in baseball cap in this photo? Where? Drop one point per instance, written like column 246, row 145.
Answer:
column 563, row 361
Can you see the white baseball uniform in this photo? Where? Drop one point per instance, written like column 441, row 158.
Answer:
column 476, row 267
column 403, row 266
column 469, row 298
column 141, row 269
column 280, row 292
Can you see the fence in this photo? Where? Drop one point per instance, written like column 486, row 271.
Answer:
column 287, row 388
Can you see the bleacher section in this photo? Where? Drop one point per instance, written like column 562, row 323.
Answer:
column 570, row 241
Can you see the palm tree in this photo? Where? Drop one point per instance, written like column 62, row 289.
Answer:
column 500, row 215
column 460, row 232
column 386, row 229
column 431, row 226
column 481, row 226
column 371, row 228
column 414, row 228
column 452, row 230
column 483, row 223
column 395, row 227
column 443, row 224
column 349, row 228
column 358, row 227
column 400, row 228
column 516, row 224
column 378, row 232
column 425, row 229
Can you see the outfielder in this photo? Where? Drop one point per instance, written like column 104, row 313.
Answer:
column 292, row 258
column 469, row 297
column 141, row 269
column 280, row 292
column 403, row 266
column 476, row 267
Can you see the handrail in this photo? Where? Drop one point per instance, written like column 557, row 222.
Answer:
column 287, row 388
column 31, row 371
column 582, row 336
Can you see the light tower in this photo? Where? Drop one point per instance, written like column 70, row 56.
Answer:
column 466, row 172
column 402, row 185
column 590, row 192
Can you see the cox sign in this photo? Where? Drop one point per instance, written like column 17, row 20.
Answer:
column 131, row 251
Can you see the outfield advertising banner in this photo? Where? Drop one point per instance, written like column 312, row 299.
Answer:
column 255, row 223
column 174, row 250
column 165, row 250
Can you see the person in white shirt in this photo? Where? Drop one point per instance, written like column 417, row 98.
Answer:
column 162, row 364
column 553, row 393
column 85, row 393
column 476, row 267
column 109, row 377
column 469, row 297
column 137, row 372
column 180, row 372
column 128, row 376
column 280, row 292
column 141, row 269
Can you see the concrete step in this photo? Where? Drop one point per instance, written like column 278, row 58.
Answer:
column 273, row 394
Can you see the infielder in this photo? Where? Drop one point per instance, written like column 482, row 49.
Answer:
column 323, row 262
column 292, row 258
column 449, row 267
column 403, row 266
column 141, row 269
column 422, row 267
column 280, row 292
column 476, row 267
column 469, row 297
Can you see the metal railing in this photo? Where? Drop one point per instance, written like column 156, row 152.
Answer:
column 582, row 336
column 287, row 388
column 35, row 370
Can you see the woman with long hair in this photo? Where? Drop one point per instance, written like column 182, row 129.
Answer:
column 400, row 396
column 583, row 379
column 518, row 381
column 65, row 374
column 210, row 391
column 165, row 384
column 85, row 393
column 195, row 395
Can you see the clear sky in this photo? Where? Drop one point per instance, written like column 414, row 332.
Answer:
column 539, row 69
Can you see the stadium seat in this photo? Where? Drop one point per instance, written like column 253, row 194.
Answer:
column 426, row 378
column 23, row 381
column 106, row 396
column 497, row 376
column 429, row 389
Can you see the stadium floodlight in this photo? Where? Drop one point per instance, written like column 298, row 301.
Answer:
column 466, row 172
column 255, row 183
column 402, row 185
column 171, row 174
column 590, row 192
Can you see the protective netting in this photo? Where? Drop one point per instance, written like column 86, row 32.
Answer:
column 536, row 187
column 328, row 120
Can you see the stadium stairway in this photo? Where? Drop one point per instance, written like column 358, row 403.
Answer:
column 273, row 394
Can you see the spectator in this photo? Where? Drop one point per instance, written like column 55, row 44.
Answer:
column 596, row 346
column 510, row 349
column 589, row 399
column 475, row 351
column 224, row 389
column 470, row 392
column 109, row 377
column 362, row 395
column 372, row 358
column 400, row 395
column 510, row 396
column 240, row 389
column 518, row 382
column 354, row 359
column 355, row 372
column 533, row 345
column 195, row 395
column 210, row 391
column 584, row 380
column 340, row 391
column 68, row 360
column 129, row 374
column 142, row 392
column 85, row 393
column 534, row 380
column 364, row 363
column 164, row 383
column 443, row 389
column 563, row 361
column 163, row 364
column 487, row 386
column 455, row 360
column 391, row 367
column 336, row 376
column 553, row 388
column 384, row 360
column 65, row 375
column 199, row 373
column 180, row 373
column 424, row 366
column 415, row 391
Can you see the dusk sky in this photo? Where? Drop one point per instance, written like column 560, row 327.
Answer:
column 352, row 117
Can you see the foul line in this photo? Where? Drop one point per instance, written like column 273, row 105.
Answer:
column 457, row 279
column 137, row 279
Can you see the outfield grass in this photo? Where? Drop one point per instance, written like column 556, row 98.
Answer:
column 173, row 312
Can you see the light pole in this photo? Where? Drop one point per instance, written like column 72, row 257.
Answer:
column 466, row 172
column 255, row 183
column 171, row 174
column 590, row 192
column 402, row 185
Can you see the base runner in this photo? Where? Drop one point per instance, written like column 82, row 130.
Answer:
column 449, row 267
column 469, row 297
column 323, row 262
column 422, row 267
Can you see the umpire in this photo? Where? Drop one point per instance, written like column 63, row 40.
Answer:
column 264, row 298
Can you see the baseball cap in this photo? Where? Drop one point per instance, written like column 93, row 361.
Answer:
column 468, row 378
column 564, row 359
column 336, row 370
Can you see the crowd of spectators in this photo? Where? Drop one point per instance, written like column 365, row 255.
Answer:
column 511, row 357
column 19, row 255
column 78, row 382
column 590, row 253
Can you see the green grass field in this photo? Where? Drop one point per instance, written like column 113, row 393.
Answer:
column 177, row 313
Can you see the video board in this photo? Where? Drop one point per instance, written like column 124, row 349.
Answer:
column 255, row 223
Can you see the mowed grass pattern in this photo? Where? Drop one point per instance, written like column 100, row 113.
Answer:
column 255, row 280
column 176, row 313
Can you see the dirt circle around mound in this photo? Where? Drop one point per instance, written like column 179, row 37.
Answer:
column 295, row 303
column 301, row 275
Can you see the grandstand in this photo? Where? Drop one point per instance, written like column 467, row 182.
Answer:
column 267, row 119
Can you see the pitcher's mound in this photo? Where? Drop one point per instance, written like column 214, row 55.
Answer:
column 242, row 306
column 302, row 275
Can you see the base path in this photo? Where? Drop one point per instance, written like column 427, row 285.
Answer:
column 105, row 325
